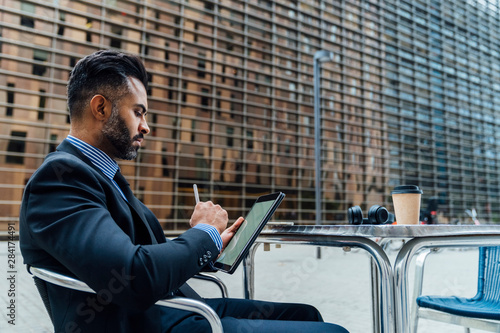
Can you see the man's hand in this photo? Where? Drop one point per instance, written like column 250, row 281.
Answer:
column 229, row 232
column 208, row 213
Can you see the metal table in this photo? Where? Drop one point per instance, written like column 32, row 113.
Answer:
column 390, row 288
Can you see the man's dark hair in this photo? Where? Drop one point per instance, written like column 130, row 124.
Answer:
column 104, row 72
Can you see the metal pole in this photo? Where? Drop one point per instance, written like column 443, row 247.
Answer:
column 319, row 56
column 317, row 145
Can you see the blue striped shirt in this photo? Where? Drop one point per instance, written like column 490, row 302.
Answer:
column 100, row 159
column 109, row 167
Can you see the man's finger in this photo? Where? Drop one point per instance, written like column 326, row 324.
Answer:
column 237, row 224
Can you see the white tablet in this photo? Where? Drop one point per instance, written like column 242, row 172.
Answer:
column 240, row 244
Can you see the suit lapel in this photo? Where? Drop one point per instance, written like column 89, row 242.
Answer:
column 133, row 202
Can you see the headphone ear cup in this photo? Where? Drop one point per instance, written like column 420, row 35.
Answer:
column 372, row 214
column 355, row 215
column 391, row 219
column 379, row 215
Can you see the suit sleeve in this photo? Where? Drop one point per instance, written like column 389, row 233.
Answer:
column 69, row 218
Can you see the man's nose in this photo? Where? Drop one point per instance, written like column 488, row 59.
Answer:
column 143, row 127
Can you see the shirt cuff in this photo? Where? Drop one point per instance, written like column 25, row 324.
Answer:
column 212, row 231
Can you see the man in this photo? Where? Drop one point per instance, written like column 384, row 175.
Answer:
column 79, row 217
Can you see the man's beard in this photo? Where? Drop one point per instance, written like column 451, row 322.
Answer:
column 118, row 135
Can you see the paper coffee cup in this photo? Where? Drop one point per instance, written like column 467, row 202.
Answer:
column 406, row 200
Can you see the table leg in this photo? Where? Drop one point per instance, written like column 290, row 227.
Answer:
column 248, row 272
column 384, row 244
column 375, row 296
column 384, row 309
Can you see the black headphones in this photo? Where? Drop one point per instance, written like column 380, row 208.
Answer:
column 376, row 215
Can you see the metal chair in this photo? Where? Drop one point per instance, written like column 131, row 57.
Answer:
column 480, row 312
column 42, row 276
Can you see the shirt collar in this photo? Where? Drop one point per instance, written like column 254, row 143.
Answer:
column 99, row 158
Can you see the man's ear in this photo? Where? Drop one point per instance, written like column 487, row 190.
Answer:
column 100, row 107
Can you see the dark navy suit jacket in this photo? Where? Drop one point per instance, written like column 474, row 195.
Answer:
column 74, row 221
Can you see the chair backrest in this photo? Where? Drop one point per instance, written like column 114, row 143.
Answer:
column 43, row 276
column 489, row 274
column 42, row 290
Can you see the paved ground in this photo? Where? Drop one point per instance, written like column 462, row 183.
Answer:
column 338, row 284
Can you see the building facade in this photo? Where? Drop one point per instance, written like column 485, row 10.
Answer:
column 410, row 98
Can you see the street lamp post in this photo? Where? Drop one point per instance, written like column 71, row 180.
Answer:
column 319, row 57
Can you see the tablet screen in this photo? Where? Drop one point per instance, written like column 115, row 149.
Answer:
column 258, row 216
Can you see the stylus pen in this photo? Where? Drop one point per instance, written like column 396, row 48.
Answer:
column 196, row 195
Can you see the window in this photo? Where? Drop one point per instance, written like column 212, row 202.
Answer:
column 167, row 55
column 193, row 130
column 27, row 21
column 183, row 96
column 150, row 80
column 164, row 163
column 39, row 56
column 171, row 83
column 250, row 140
column 147, row 42
column 201, row 68
column 152, row 123
column 116, row 41
column 10, row 100
column 53, row 143
column 202, row 167
column 230, row 139
column 88, row 34
column 205, row 98
column 60, row 29
column 41, row 105
column 208, row 5
column 17, row 147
